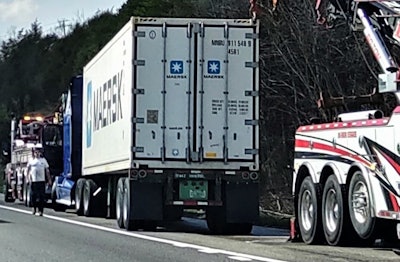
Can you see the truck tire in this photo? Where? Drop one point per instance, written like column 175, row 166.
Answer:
column 28, row 198
column 216, row 222
column 88, row 189
column 360, row 207
column 129, row 224
column 308, row 213
column 7, row 195
column 79, row 196
column 119, row 202
column 333, row 211
column 56, row 206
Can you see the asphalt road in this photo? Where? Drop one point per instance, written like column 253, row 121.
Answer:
column 63, row 236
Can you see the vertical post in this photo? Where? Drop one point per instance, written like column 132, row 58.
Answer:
column 226, row 93
column 163, row 92
column 188, row 92
column 201, row 149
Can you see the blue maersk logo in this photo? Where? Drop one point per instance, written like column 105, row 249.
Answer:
column 89, row 115
column 176, row 67
column 214, row 67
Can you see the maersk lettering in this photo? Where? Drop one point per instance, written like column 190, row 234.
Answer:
column 107, row 106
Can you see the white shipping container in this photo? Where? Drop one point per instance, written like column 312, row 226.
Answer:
column 173, row 93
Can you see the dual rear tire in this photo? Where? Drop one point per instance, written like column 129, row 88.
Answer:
column 90, row 199
column 124, row 208
column 338, row 216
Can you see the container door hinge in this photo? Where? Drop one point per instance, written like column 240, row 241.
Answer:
column 251, row 64
column 138, row 149
column 139, row 34
column 251, row 93
column 251, row 122
column 138, row 120
column 139, row 62
column 252, row 36
column 138, row 91
column 251, row 151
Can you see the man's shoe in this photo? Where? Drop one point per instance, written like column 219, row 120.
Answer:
column 41, row 214
column 34, row 211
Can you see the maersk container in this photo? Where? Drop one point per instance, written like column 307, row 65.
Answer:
column 171, row 111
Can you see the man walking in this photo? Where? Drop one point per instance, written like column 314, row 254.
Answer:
column 38, row 170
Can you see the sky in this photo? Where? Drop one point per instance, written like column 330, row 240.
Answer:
column 51, row 14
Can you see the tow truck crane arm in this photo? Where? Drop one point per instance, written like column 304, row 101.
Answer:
column 380, row 22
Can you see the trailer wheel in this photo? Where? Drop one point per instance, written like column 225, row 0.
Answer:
column 216, row 221
column 88, row 190
column 119, row 202
column 78, row 196
column 129, row 224
column 333, row 212
column 308, row 213
column 360, row 206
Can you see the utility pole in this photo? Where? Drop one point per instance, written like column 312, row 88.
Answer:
column 62, row 26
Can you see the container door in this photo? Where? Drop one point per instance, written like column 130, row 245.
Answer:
column 164, row 95
column 226, row 95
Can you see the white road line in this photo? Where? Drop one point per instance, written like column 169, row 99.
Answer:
column 154, row 239
column 209, row 250
column 240, row 258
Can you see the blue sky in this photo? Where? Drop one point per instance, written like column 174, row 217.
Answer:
column 18, row 14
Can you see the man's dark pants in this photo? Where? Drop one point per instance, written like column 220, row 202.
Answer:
column 38, row 191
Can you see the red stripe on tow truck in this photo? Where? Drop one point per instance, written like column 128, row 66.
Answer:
column 394, row 202
column 396, row 166
column 315, row 145
column 348, row 124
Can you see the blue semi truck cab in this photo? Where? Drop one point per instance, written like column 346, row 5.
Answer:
column 64, row 184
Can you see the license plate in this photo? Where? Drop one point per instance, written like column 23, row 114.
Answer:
column 193, row 190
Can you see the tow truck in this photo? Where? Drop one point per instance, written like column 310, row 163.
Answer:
column 30, row 131
column 346, row 182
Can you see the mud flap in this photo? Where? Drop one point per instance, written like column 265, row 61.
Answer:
column 242, row 202
column 146, row 201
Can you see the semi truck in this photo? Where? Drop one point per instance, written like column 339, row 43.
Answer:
column 165, row 118
column 346, row 182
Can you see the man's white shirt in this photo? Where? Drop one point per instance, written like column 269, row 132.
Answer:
column 38, row 169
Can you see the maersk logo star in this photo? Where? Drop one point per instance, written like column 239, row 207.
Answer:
column 176, row 67
column 214, row 67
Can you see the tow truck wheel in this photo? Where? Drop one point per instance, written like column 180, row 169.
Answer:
column 119, row 202
column 360, row 206
column 308, row 213
column 332, row 211
column 7, row 194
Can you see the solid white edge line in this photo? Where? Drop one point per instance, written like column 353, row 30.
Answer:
column 240, row 258
column 150, row 238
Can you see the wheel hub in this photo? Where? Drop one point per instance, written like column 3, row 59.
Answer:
column 360, row 204
column 331, row 211
column 307, row 210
